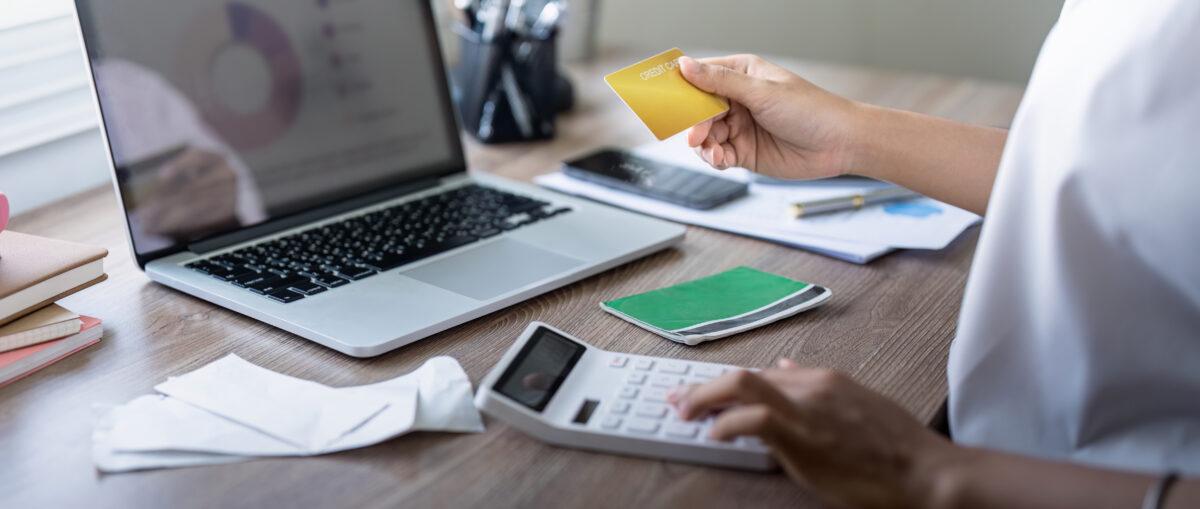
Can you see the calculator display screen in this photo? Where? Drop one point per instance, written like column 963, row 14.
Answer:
column 539, row 369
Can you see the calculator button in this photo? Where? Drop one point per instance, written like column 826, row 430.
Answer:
column 652, row 411
column 644, row 364
column 611, row 422
column 709, row 371
column 637, row 378
column 618, row 361
column 667, row 381
column 642, row 426
column 749, row 442
column 682, row 430
column 655, row 395
column 629, row 392
column 674, row 368
column 619, row 407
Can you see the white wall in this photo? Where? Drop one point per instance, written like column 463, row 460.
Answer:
column 47, row 172
column 49, row 144
column 994, row 39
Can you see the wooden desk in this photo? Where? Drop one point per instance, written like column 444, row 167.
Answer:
column 889, row 325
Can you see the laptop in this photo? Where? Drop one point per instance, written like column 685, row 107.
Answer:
column 300, row 163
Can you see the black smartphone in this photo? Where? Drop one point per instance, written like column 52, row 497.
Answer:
column 621, row 170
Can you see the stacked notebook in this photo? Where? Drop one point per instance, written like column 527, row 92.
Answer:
column 34, row 273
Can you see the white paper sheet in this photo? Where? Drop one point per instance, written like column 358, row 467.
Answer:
column 858, row 236
column 912, row 224
column 302, row 413
column 157, row 431
column 849, row 251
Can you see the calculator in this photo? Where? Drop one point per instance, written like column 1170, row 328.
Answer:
column 559, row 389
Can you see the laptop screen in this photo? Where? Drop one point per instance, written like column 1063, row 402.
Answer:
column 224, row 114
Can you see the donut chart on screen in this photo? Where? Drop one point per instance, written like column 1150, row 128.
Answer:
column 239, row 26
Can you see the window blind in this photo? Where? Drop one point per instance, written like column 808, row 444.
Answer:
column 44, row 93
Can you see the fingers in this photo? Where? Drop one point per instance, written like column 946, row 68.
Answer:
column 719, row 133
column 720, row 156
column 719, row 79
column 741, row 386
column 750, row 420
column 742, row 62
column 712, row 143
column 705, row 152
column 698, row 133
column 730, row 154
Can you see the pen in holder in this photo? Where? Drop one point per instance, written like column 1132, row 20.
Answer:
column 507, row 88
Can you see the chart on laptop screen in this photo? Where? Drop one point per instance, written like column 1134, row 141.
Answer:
column 240, row 39
column 304, row 101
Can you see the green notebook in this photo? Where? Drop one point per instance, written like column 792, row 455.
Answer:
column 716, row 306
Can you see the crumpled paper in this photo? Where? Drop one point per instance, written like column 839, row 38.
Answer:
column 232, row 410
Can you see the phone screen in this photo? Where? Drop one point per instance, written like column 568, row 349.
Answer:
column 654, row 179
column 620, row 166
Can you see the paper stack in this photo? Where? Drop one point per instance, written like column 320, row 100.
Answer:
column 232, row 410
column 856, row 236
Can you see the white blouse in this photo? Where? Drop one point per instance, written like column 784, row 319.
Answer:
column 1079, row 337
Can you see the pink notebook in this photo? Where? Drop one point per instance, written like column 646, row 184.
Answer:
column 17, row 364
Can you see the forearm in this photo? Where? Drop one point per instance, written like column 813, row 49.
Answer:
column 946, row 160
column 977, row 478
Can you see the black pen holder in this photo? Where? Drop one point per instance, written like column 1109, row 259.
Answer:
column 507, row 89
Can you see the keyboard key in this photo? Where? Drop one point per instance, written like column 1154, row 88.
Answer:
column 708, row 371
column 389, row 261
column 611, row 423
column 618, row 361
column 271, row 283
column 619, row 407
column 219, row 271
column 355, row 273
column 330, row 281
column 487, row 232
column 306, row 287
column 682, row 430
column 203, row 266
column 652, row 411
column 667, row 381
column 284, row 295
column 644, row 364
column 246, row 278
column 642, row 426
column 456, row 241
column 629, row 392
column 636, row 378
column 673, row 367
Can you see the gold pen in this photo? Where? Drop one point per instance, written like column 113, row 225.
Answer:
column 852, row 202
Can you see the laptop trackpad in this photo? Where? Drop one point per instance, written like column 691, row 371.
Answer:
column 493, row 269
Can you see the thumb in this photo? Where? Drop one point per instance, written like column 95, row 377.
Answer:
column 718, row 79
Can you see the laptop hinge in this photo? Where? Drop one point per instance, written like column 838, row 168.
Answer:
column 309, row 216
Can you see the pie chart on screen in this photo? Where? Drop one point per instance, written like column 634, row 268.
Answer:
column 243, row 74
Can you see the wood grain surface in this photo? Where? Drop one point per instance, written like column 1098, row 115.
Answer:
column 889, row 325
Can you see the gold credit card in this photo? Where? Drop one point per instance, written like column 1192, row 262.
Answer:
column 657, row 93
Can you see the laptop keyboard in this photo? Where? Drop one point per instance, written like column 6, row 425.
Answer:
column 291, row 268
